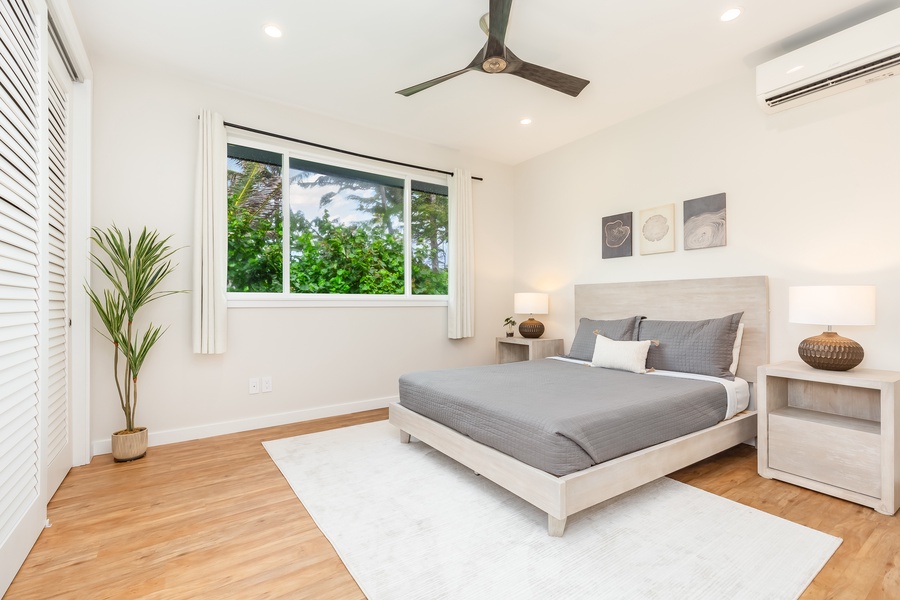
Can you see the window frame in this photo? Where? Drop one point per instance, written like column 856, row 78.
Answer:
column 288, row 299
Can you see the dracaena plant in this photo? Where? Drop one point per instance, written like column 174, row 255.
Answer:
column 133, row 271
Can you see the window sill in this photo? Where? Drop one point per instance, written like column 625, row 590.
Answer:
column 239, row 300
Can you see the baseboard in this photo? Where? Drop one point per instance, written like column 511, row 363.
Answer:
column 171, row 436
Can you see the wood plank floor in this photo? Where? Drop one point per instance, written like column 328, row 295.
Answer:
column 214, row 518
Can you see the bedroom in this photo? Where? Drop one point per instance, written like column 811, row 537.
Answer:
column 790, row 179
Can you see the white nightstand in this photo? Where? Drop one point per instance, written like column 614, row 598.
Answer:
column 831, row 431
column 514, row 349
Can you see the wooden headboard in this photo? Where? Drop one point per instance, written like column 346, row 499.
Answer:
column 688, row 300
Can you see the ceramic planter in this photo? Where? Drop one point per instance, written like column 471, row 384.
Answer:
column 131, row 445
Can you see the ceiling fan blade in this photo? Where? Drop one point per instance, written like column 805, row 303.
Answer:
column 431, row 82
column 561, row 82
column 498, row 20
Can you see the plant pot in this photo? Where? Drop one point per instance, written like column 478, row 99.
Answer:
column 509, row 334
column 129, row 445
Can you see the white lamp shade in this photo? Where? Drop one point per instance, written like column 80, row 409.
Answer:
column 528, row 303
column 832, row 304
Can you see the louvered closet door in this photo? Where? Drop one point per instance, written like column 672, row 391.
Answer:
column 22, row 512
column 58, row 433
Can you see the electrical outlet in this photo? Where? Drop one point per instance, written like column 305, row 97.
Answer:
column 266, row 384
column 254, row 385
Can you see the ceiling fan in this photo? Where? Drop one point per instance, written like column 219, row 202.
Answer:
column 495, row 57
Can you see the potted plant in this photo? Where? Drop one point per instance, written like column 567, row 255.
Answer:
column 509, row 323
column 134, row 272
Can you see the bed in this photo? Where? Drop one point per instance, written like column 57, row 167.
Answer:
column 578, row 481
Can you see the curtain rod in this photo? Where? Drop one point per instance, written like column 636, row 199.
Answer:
column 333, row 149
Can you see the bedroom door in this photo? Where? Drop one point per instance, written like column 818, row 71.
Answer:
column 56, row 382
column 22, row 504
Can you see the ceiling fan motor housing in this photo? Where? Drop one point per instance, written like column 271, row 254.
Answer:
column 494, row 64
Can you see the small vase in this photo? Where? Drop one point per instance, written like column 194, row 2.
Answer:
column 509, row 334
column 129, row 445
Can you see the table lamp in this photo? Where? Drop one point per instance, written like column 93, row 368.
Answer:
column 831, row 305
column 531, row 304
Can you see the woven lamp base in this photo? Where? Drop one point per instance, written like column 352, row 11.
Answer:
column 531, row 328
column 830, row 352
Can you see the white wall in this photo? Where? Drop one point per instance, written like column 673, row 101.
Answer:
column 812, row 198
column 322, row 361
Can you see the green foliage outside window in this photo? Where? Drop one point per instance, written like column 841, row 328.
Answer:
column 429, row 239
column 331, row 255
column 254, row 227
column 330, row 258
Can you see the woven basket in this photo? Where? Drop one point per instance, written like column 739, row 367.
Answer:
column 129, row 445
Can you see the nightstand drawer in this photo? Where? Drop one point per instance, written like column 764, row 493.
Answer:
column 840, row 451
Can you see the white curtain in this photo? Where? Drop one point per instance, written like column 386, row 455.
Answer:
column 461, row 265
column 210, row 237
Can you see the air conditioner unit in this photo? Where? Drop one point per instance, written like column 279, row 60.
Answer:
column 862, row 54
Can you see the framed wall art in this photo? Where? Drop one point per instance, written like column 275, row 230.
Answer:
column 617, row 235
column 704, row 222
column 657, row 229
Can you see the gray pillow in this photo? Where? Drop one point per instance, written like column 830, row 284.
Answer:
column 703, row 347
column 623, row 330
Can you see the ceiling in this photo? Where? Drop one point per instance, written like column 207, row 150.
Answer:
column 346, row 58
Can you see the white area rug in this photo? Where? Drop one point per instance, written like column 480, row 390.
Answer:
column 410, row 523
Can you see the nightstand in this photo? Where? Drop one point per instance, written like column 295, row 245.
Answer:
column 831, row 431
column 514, row 349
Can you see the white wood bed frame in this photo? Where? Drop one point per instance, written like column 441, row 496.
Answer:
column 560, row 497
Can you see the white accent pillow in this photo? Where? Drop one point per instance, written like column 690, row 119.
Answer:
column 624, row 356
column 736, row 351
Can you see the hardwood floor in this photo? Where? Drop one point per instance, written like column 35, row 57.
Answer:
column 865, row 566
column 210, row 518
column 214, row 518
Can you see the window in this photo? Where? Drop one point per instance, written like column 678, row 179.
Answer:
column 428, row 227
column 300, row 228
column 347, row 230
column 254, row 220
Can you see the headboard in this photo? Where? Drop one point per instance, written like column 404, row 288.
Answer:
column 688, row 300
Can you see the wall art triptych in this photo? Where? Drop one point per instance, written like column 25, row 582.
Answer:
column 703, row 225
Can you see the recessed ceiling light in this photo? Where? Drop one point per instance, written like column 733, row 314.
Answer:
column 525, row 121
column 272, row 31
column 730, row 15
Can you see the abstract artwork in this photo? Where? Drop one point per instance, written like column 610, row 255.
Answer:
column 658, row 229
column 617, row 235
column 704, row 222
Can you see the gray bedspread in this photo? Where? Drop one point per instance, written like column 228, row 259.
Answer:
column 563, row 417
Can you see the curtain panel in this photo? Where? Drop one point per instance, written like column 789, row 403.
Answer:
column 210, row 237
column 461, row 265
